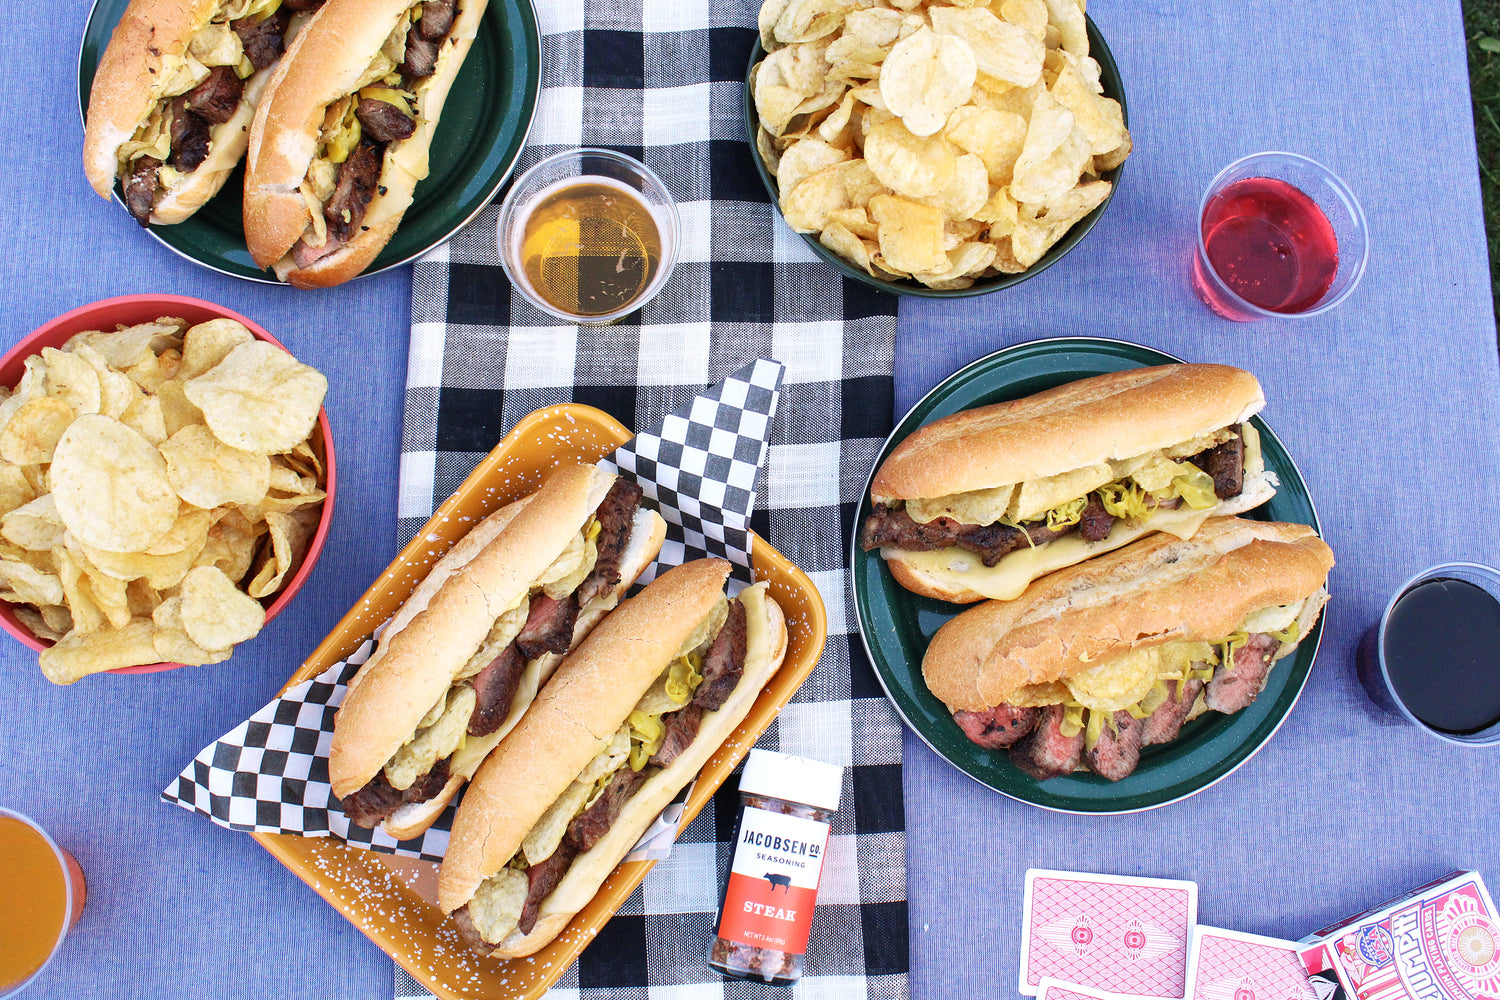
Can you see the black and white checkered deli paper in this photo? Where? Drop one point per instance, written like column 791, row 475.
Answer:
column 270, row 773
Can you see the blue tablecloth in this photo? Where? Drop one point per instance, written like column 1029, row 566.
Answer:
column 1389, row 405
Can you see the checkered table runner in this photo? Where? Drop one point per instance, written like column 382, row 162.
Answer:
column 663, row 80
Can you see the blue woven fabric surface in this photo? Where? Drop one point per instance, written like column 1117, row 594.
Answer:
column 1388, row 405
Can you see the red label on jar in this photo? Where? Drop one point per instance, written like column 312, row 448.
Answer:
column 773, row 881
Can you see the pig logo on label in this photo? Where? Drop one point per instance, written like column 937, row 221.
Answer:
column 1375, row 945
column 785, row 881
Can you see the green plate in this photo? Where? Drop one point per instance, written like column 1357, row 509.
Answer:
column 1109, row 79
column 485, row 120
column 896, row 624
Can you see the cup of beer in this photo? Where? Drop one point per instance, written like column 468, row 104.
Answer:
column 588, row 235
column 41, row 898
column 1432, row 659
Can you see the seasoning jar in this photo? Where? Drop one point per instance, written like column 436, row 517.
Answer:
column 780, row 839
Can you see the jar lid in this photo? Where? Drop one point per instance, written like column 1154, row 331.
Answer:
column 798, row 779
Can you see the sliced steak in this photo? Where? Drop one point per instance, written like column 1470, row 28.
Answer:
column 383, row 120
column 895, row 528
column 1237, row 685
column 302, row 4
column 358, row 176
column 997, row 727
column 1096, row 521
column 594, row 822
column 1166, row 722
column 421, row 56
column 681, row 728
column 263, row 38
column 616, row 514
column 1226, row 463
column 306, row 256
column 1046, row 752
column 541, row 879
column 437, row 18
column 1118, row 750
column 496, row 687
column 140, row 188
column 215, row 99
column 725, row 663
column 549, row 626
column 190, row 138
column 377, row 800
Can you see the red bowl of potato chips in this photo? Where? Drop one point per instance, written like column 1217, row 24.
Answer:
column 171, row 482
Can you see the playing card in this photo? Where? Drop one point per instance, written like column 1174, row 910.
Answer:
column 1116, row 933
column 1056, row 989
column 1232, row 965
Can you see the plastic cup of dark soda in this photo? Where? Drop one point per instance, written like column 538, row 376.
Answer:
column 1279, row 236
column 1432, row 659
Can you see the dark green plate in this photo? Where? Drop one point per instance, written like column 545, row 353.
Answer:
column 485, row 120
column 1109, row 79
column 896, row 624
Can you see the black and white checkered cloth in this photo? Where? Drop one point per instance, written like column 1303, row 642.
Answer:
column 270, row 773
column 663, row 80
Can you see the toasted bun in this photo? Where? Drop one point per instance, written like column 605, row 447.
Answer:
column 434, row 636
column 764, row 654
column 322, row 66
column 571, row 720
column 123, row 92
column 947, row 584
column 1104, row 418
column 1157, row 590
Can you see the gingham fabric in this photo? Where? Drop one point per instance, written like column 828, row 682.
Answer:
column 663, row 80
column 699, row 467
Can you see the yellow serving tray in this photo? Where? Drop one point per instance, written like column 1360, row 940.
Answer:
column 393, row 900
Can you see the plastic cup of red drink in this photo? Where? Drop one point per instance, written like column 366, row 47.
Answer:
column 1279, row 236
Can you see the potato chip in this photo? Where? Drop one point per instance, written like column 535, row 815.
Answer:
column 1067, row 17
column 806, row 20
column 874, row 28
column 965, row 261
column 1028, row 14
column 29, row 584
column 925, row 77
column 1100, row 118
column 207, row 344
column 996, row 137
column 837, row 187
column 910, row 165
column 71, row 380
column 803, row 160
column 770, row 11
column 36, row 622
column 111, row 485
column 856, row 220
column 1000, row 49
column 207, row 473
column 1000, row 212
column 34, row 526
column 215, row 613
column 33, row 430
column 1118, row 682
column 159, row 572
column 290, row 534
column 844, row 243
column 128, row 347
column 15, row 490
column 111, row 598
column 177, row 410
column 259, row 398
column 173, row 645
column 765, row 145
column 151, row 372
column 146, row 417
column 230, row 546
column 87, row 615
column 1112, row 159
column 116, row 392
column 78, row 654
column 911, row 235
column 966, row 192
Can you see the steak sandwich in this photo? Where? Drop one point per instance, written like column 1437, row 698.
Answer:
column 630, row 718
column 1094, row 662
column 978, row 504
column 174, row 94
column 466, row 654
column 343, row 134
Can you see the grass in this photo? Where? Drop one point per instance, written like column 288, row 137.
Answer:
column 1482, row 26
